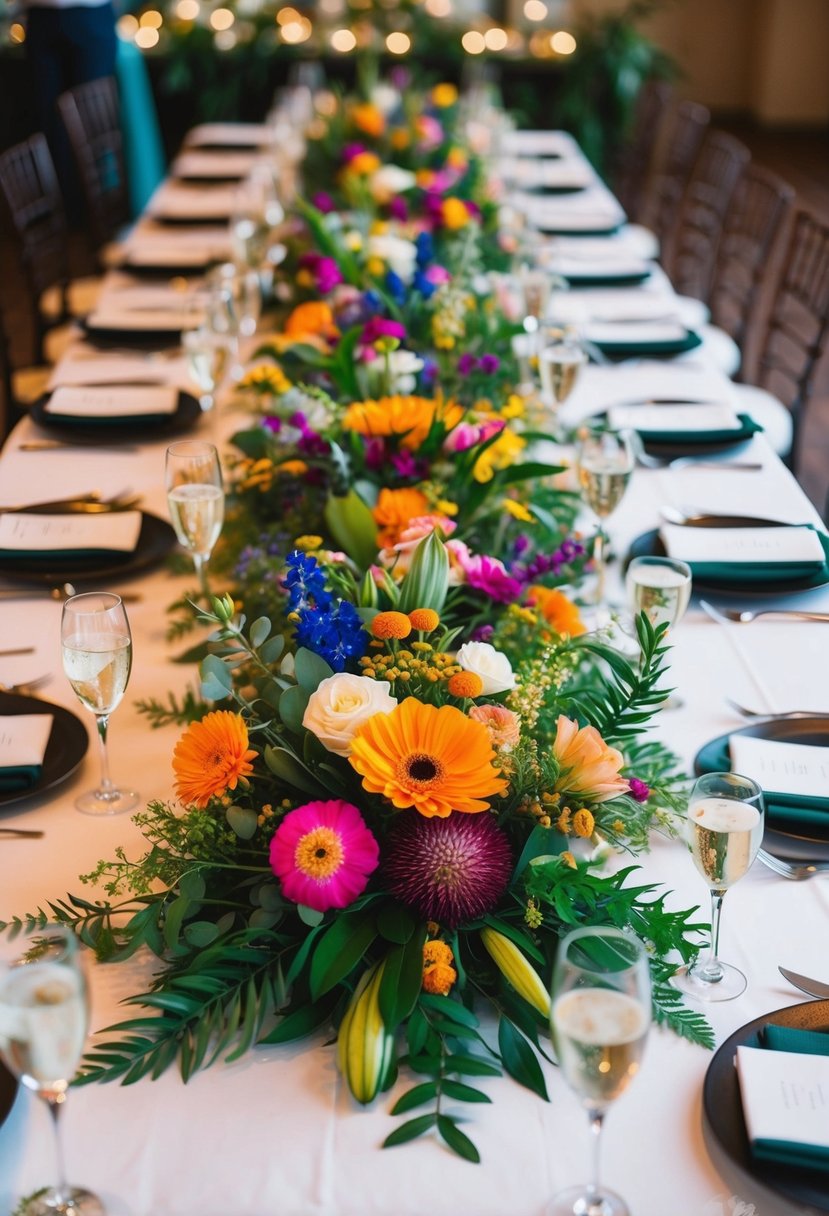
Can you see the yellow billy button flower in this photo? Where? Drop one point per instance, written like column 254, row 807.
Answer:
column 307, row 544
column 424, row 619
column 583, row 823
column 391, row 625
column 465, row 684
column 444, row 95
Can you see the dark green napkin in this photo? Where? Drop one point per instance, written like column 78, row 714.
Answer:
column 788, row 812
column 607, row 280
column 632, row 350
column 747, row 573
column 787, row 1152
column 19, row 777
column 748, row 427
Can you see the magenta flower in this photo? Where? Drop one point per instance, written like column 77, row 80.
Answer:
column 399, row 208
column 464, row 436
column 326, row 272
column 323, row 854
column 437, row 274
column 352, row 150
column 640, row 790
column 380, row 327
column 489, row 575
column 324, row 202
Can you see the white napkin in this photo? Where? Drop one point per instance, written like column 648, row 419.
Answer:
column 77, row 368
column 611, row 266
column 214, row 164
column 23, row 738
column 151, row 247
column 599, row 388
column 785, row 1095
column 236, row 134
column 787, row 768
column 137, row 298
column 110, row 316
column 176, row 201
column 536, row 143
column 564, row 174
column 735, row 545
column 673, row 418
column 120, row 401
column 52, row 533
column 635, row 332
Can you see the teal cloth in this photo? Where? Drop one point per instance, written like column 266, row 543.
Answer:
column 789, row 1152
column 143, row 147
column 746, row 573
column 604, row 280
column 611, row 230
column 629, row 350
column 788, row 812
column 19, row 777
column 748, row 427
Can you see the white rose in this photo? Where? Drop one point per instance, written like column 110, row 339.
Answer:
column 488, row 663
column 399, row 255
column 390, row 180
column 340, row 705
column 403, row 368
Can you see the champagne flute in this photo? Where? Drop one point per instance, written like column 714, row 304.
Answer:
column 256, row 213
column 195, row 496
column 724, row 827
column 560, row 360
column 208, row 354
column 604, row 463
column 44, row 1017
column 97, row 659
column 661, row 588
column 601, row 1012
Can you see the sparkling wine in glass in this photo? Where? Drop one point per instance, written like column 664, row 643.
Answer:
column 44, row 1017
column 604, row 463
column 600, row 1015
column 208, row 358
column 660, row 587
column 724, row 827
column 257, row 212
column 97, row 658
column 560, row 361
column 195, row 496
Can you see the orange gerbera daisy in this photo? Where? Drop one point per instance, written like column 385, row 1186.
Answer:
column 393, row 511
column 436, row 760
column 408, row 417
column 313, row 319
column 557, row 610
column 211, row 757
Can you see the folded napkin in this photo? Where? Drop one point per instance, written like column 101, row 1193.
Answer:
column 221, row 165
column 110, row 403
column 181, row 202
column 793, row 776
column 230, row 135
column 145, row 320
column 620, row 270
column 138, row 297
column 23, row 741
column 746, row 555
column 674, row 419
column 87, row 368
column 554, row 174
column 34, row 536
column 537, row 143
column 784, row 1087
column 635, row 333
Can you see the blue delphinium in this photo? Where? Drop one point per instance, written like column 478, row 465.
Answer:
column 305, row 582
column 395, row 287
column 330, row 628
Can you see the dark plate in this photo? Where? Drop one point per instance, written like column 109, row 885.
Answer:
column 8, row 1092
column 167, row 270
column 80, row 430
column 713, row 757
column 552, row 230
column 552, row 191
column 208, row 179
column 65, row 750
column 607, row 280
column 653, row 350
column 650, row 545
column 155, row 541
column 186, row 221
column 724, row 1127
column 149, row 339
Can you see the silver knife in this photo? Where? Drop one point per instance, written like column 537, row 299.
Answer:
column 811, row 987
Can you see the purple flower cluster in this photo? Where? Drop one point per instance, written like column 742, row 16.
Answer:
column 553, row 563
column 310, row 442
column 486, row 364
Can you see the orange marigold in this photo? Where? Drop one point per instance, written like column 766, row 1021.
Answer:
column 391, row 625
column 438, row 973
column 465, row 684
column 583, row 823
column 211, row 757
column 314, row 319
column 394, row 510
column 557, row 610
column 424, row 619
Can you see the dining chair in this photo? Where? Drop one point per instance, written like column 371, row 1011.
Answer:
column 793, row 337
column 678, row 145
column 750, row 246
column 689, row 256
column 633, row 161
column 91, row 115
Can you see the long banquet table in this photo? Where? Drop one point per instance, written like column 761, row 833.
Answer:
column 276, row 1132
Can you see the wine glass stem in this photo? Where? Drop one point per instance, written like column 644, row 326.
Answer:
column 594, row 1197
column 599, row 563
column 62, row 1193
column 711, row 971
column 200, row 563
column 102, row 723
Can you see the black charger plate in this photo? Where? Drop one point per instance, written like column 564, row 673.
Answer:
column 724, row 1127
column 65, row 750
column 82, row 430
column 155, row 541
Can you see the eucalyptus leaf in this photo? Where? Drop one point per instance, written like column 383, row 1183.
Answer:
column 259, row 631
column 243, row 820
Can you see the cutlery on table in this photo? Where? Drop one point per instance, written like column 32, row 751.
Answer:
column 26, row 687
column 63, row 591
column 805, row 984
column 27, row 832
column 58, row 445
column 704, row 519
column 84, row 504
column 5, row 654
column 791, row 713
column 796, row 871
column 745, row 617
column 695, row 462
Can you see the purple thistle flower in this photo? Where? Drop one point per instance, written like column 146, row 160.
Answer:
column 407, row 465
column 352, row 150
column 489, row 364
column 449, row 870
column 639, row 789
column 399, row 208
column 271, row 423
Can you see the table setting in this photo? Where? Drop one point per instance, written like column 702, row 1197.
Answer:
column 553, row 625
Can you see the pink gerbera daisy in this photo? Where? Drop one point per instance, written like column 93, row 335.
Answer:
column 323, row 854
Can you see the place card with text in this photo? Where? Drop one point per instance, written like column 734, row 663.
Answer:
column 22, row 532
column 758, row 545
column 112, row 401
column 800, row 769
column 785, row 1099
column 23, row 739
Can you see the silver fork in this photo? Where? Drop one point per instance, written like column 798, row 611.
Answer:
column 791, row 713
column 27, row 686
column 746, row 617
column 796, row 872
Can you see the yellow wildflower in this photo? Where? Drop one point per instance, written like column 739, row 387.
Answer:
column 499, row 455
column 517, row 510
column 444, row 95
column 307, row 544
column 454, row 214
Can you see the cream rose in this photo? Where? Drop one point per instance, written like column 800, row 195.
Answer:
column 340, row 705
column 488, row 663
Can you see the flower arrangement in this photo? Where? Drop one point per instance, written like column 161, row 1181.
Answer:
column 382, row 834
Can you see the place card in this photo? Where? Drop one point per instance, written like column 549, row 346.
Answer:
column 785, row 1101
column 732, row 545
column 23, row 739
column 147, row 319
column 231, row 134
column 798, row 769
column 175, row 201
column 214, row 164
column 680, row 418
column 617, row 333
column 112, row 401
column 85, row 369
column 22, row 532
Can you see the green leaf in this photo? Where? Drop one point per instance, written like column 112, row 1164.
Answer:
column 415, row 1097
column 243, row 820
column 259, row 631
column 463, row 1093
column 292, row 706
column 271, row 651
column 309, row 916
column 471, row 1066
column 302, row 1022
column 540, row 840
column 410, row 1130
column 402, row 979
column 173, row 917
column 214, row 671
column 453, row 1011
column 457, row 1140
column 519, row 1059
column 200, row 933
column 192, row 885
column 310, row 669
column 339, row 950
column 395, row 923
column 284, row 764
column 352, row 526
